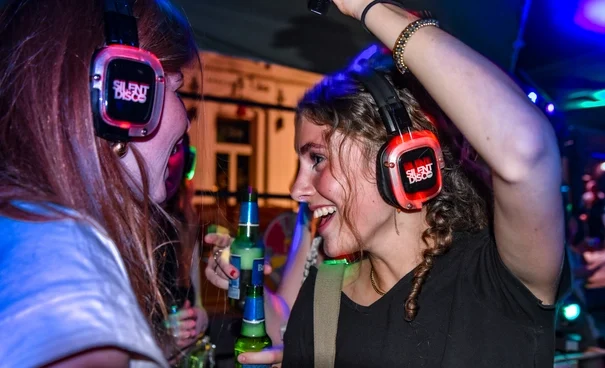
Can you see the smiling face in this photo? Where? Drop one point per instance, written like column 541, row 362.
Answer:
column 337, row 180
column 157, row 149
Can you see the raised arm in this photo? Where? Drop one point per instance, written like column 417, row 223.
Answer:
column 507, row 130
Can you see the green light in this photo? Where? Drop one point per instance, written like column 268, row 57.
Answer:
column 571, row 311
column 191, row 171
column 590, row 100
column 336, row 261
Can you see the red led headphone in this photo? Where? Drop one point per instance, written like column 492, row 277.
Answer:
column 126, row 83
column 408, row 166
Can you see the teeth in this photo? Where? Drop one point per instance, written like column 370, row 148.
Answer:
column 323, row 211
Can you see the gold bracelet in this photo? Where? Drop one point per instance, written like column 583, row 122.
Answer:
column 404, row 37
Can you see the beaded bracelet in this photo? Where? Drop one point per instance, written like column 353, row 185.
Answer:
column 404, row 37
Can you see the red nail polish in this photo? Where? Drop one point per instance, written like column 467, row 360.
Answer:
column 232, row 273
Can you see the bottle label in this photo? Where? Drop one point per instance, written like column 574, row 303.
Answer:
column 258, row 275
column 254, row 312
column 234, row 284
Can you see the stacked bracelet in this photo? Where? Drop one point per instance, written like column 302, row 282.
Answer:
column 404, row 37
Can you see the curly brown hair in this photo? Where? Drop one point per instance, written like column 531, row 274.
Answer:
column 341, row 103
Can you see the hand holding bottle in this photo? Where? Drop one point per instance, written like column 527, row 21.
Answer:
column 192, row 321
column 218, row 270
column 272, row 356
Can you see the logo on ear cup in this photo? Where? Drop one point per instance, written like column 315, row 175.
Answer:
column 136, row 92
column 419, row 170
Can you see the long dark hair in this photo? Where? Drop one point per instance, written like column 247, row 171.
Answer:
column 341, row 103
column 48, row 149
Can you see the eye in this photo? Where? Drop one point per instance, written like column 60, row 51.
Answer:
column 176, row 148
column 317, row 159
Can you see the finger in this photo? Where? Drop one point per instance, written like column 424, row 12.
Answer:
column 185, row 314
column 186, row 341
column 218, row 279
column 269, row 356
column 215, row 273
column 187, row 326
column 211, row 238
column 268, row 269
column 219, row 240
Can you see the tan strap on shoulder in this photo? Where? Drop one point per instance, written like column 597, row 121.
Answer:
column 326, row 307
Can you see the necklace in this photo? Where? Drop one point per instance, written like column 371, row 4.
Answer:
column 373, row 282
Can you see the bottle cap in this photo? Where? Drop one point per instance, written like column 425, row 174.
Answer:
column 248, row 195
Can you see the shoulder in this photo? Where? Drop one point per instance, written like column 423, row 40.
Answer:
column 75, row 247
column 67, row 276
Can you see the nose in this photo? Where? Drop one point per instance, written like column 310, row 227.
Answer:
column 302, row 189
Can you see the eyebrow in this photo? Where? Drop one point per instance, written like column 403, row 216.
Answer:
column 307, row 147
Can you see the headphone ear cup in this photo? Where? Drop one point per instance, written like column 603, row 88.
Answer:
column 383, row 178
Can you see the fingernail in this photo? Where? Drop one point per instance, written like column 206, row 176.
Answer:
column 232, row 274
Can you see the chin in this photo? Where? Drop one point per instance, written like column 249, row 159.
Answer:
column 158, row 195
column 333, row 249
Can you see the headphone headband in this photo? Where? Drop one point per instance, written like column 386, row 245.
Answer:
column 120, row 24
column 393, row 114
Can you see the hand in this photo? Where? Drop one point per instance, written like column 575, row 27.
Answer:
column 596, row 279
column 219, row 271
column 594, row 259
column 193, row 321
column 272, row 356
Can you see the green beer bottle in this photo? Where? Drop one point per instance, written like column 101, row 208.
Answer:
column 253, row 336
column 247, row 252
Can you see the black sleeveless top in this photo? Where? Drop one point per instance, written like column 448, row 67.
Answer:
column 473, row 312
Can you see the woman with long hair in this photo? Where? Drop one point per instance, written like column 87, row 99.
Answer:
column 78, row 196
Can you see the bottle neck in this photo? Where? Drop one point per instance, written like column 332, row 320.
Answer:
column 253, row 324
column 248, row 220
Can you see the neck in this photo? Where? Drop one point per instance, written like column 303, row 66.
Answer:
column 393, row 253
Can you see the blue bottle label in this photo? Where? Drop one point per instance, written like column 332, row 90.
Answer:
column 254, row 311
column 234, row 284
column 258, row 275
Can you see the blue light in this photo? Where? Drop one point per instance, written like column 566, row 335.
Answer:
column 533, row 96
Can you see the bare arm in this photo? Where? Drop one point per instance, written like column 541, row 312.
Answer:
column 278, row 305
column 301, row 244
column 507, row 130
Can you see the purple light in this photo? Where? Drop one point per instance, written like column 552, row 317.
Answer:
column 550, row 108
column 591, row 15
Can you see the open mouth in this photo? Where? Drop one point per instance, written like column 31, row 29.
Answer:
column 324, row 214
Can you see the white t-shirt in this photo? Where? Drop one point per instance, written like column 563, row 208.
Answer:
column 63, row 290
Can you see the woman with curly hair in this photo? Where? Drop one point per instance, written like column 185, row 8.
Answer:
column 463, row 279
